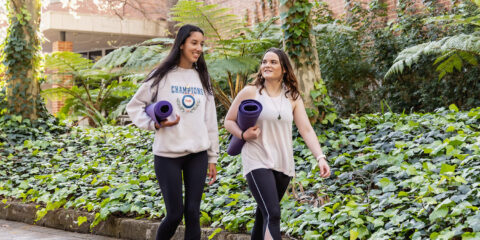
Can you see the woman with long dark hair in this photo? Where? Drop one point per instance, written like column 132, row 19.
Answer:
column 187, row 146
column 267, row 156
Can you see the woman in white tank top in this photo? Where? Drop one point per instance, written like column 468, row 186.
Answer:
column 267, row 155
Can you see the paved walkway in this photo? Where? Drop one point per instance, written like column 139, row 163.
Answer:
column 20, row 231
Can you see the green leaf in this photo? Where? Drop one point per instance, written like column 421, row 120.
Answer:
column 217, row 230
column 474, row 222
column 81, row 220
column 450, row 128
column 446, row 168
column 471, row 235
column 439, row 213
column 353, row 234
column 453, row 107
column 312, row 235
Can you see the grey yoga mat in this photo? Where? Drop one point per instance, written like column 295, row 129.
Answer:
column 247, row 116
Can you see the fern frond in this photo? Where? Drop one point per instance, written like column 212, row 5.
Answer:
column 137, row 58
column 218, row 67
column 216, row 22
column 158, row 41
column 144, row 58
column 466, row 43
column 67, row 62
column 454, row 61
column 333, row 28
column 54, row 93
column 135, row 76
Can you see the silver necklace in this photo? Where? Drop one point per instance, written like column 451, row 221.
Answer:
column 275, row 106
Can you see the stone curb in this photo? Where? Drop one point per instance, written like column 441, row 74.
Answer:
column 125, row 228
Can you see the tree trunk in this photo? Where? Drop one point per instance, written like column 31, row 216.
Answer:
column 304, row 56
column 308, row 72
column 21, row 58
column 171, row 24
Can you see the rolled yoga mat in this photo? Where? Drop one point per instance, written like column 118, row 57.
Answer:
column 248, row 113
column 159, row 111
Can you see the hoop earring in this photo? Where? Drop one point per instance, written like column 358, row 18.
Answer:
column 195, row 65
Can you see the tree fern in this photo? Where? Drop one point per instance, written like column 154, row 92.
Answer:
column 137, row 58
column 67, row 62
column 94, row 91
column 216, row 22
column 234, row 65
column 454, row 51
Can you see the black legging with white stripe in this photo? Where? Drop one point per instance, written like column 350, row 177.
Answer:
column 267, row 187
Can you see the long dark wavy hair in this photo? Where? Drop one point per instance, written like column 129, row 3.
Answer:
column 173, row 59
column 289, row 80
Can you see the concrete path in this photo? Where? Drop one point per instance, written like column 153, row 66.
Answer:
column 20, row 231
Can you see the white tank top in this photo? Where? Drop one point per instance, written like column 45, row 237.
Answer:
column 273, row 149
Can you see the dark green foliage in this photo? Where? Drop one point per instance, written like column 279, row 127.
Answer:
column 344, row 66
column 354, row 63
column 419, row 89
column 394, row 177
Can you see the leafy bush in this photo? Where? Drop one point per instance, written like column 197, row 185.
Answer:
column 395, row 177
column 356, row 52
column 98, row 95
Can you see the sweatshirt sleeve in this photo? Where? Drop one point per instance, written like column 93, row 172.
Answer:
column 212, row 127
column 138, row 103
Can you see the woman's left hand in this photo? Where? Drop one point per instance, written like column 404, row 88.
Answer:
column 212, row 173
column 324, row 168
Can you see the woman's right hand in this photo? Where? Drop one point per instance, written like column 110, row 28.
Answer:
column 251, row 133
column 167, row 123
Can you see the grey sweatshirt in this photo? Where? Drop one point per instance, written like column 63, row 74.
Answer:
column 197, row 130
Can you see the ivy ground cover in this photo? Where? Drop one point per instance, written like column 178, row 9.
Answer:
column 396, row 176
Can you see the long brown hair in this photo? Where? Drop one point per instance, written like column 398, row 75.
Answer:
column 289, row 79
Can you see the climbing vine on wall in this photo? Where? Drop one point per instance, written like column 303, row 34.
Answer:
column 299, row 43
column 21, row 57
column 297, row 29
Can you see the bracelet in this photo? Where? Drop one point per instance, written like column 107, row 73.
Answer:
column 242, row 136
column 321, row 156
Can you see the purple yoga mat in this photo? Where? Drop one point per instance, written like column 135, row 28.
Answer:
column 159, row 111
column 247, row 116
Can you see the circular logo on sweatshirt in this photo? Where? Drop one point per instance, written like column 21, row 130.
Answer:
column 188, row 101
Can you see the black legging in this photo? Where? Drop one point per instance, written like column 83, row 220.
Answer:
column 169, row 176
column 267, row 187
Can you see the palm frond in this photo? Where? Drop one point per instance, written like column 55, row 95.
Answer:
column 452, row 49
